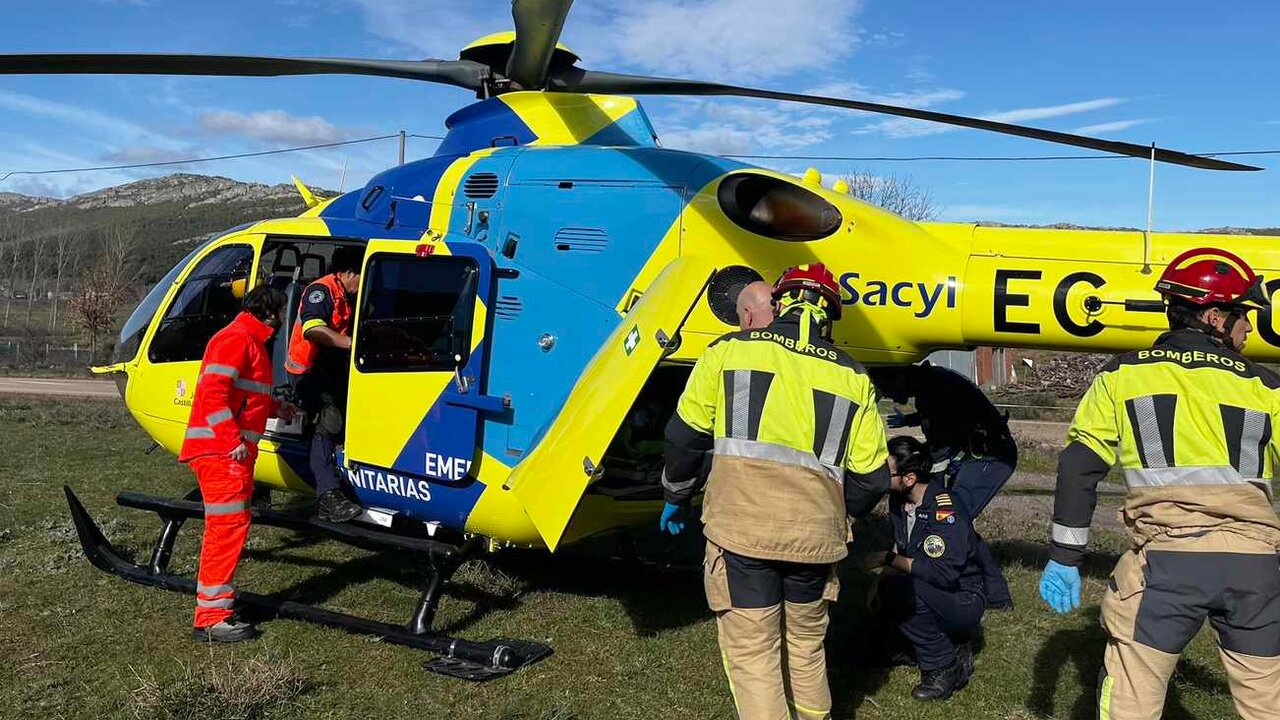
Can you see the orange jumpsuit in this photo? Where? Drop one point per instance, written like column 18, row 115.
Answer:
column 231, row 405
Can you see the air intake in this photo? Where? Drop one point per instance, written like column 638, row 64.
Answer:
column 585, row 240
column 508, row 307
column 480, row 185
column 722, row 295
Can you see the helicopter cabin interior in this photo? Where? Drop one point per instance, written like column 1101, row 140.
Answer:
column 411, row 315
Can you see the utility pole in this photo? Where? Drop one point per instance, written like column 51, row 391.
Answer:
column 402, row 140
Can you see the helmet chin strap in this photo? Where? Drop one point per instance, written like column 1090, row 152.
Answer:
column 809, row 315
column 1234, row 315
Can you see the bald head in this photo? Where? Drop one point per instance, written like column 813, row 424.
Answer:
column 755, row 306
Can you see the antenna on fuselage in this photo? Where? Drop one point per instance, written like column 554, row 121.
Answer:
column 1151, row 203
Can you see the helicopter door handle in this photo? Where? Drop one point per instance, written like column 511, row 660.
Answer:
column 490, row 404
column 471, row 217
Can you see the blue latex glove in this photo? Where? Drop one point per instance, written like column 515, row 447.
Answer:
column 897, row 419
column 1060, row 587
column 672, row 519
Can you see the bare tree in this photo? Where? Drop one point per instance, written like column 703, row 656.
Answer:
column 13, row 235
column 16, row 251
column 67, row 247
column 97, row 299
column 36, row 252
column 899, row 194
column 118, row 249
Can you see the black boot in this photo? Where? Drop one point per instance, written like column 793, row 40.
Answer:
column 943, row 683
column 334, row 507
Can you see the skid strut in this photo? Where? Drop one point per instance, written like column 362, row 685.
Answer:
column 465, row 659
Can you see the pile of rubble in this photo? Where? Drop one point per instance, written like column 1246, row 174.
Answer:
column 1065, row 375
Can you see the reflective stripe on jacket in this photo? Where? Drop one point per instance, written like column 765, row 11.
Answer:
column 1192, row 426
column 233, row 393
column 796, row 439
column 302, row 352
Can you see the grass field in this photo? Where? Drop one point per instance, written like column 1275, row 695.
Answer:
column 632, row 640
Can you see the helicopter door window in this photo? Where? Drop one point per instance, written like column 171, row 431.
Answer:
column 416, row 313
column 208, row 300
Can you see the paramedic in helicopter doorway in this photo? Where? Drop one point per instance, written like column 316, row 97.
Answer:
column 319, row 356
column 797, row 446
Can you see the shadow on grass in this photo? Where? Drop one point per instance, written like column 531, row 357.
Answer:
column 1080, row 650
column 1097, row 563
column 657, row 596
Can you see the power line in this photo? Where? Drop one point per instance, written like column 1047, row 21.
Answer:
column 190, row 161
column 824, row 158
column 976, row 158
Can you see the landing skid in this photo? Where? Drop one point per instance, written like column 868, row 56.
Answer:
column 469, row 660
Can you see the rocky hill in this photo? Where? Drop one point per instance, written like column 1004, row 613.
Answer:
column 164, row 216
column 187, row 190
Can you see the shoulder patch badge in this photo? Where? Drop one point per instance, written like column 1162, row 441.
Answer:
column 315, row 296
column 934, row 546
column 946, row 516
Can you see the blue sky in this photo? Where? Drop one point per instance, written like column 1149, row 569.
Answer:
column 1187, row 75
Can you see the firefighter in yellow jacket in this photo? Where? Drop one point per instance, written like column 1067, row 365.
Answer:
column 1192, row 425
column 797, row 447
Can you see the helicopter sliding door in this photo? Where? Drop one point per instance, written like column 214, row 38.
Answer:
column 418, row 375
column 162, row 378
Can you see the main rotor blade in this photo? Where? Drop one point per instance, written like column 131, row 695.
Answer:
column 462, row 73
column 576, row 80
column 538, row 26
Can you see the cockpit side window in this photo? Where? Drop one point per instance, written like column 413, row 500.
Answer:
column 206, row 303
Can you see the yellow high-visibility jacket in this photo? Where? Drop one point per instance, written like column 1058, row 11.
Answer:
column 1191, row 425
column 797, row 444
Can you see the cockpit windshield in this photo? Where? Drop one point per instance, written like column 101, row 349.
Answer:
column 136, row 326
column 140, row 319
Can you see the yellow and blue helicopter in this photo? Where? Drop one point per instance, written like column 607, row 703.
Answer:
column 535, row 293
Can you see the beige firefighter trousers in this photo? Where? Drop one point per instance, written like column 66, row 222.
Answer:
column 773, row 652
column 1158, row 599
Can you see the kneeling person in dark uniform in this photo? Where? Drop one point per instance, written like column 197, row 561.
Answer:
column 973, row 452
column 931, row 589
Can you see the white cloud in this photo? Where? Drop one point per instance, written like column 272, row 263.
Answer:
column 744, row 41
column 72, row 114
column 718, row 127
column 276, row 126
column 144, row 154
column 914, row 98
column 1052, row 111
column 907, row 128
column 435, row 28
column 916, row 68
column 884, row 38
column 1110, row 127
column 736, row 40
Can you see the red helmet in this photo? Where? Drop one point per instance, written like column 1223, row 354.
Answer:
column 1207, row 276
column 813, row 278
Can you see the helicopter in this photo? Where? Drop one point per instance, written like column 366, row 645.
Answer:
column 535, row 293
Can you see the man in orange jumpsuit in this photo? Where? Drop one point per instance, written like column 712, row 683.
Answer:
column 232, row 402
